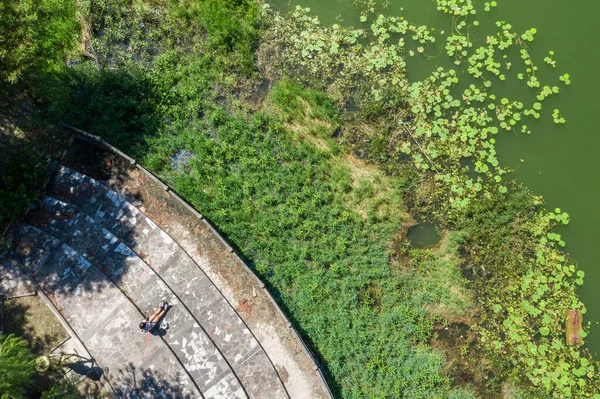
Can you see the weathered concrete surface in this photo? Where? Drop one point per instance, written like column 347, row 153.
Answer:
column 144, row 288
column 99, row 220
column 99, row 313
column 234, row 281
column 14, row 282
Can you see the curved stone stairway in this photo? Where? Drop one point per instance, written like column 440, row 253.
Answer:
column 106, row 266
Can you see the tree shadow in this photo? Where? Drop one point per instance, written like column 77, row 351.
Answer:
column 17, row 321
column 64, row 247
column 27, row 144
column 90, row 371
column 132, row 382
column 61, row 238
column 123, row 105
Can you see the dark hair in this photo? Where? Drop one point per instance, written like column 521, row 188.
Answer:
column 142, row 325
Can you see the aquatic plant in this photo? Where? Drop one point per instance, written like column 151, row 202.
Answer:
column 556, row 116
column 565, row 78
column 440, row 131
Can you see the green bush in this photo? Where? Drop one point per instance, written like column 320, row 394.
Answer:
column 232, row 27
column 18, row 184
column 17, row 367
column 36, row 36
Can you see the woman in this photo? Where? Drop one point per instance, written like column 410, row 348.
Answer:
column 149, row 323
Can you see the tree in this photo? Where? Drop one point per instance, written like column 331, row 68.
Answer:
column 21, row 174
column 36, row 36
column 17, row 366
column 62, row 389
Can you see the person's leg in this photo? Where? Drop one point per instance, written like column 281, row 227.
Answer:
column 156, row 316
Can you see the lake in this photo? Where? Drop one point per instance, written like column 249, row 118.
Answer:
column 561, row 162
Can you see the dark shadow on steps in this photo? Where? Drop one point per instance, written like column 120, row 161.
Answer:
column 145, row 383
column 93, row 373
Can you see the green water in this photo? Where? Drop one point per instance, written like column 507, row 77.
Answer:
column 561, row 161
column 423, row 235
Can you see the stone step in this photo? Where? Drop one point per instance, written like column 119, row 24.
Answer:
column 14, row 281
column 99, row 313
column 187, row 280
column 137, row 280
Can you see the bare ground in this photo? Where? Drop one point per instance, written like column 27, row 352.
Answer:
column 30, row 318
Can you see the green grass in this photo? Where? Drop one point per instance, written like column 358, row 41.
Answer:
column 440, row 272
column 231, row 28
column 278, row 200
column 36, row 37
column 297, row 103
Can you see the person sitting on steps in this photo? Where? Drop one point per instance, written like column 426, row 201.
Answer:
column 151, row 322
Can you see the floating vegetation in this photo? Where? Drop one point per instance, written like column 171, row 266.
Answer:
column 488, row 6
column 549, row 59
column 565, row 78
column 557, row 117
column 524, row 301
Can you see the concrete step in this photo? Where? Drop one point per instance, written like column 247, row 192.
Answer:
column 144, row 288
column 101, row 316
column 184, row 277
column 14, row 281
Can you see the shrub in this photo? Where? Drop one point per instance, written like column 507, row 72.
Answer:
column 17, row 366
column 18, row 184
column 36, row 36
column 232, row 27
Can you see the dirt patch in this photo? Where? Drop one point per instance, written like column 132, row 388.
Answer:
column 360, row 170
column 283, row 374
column 245, row 307
column 30, row 318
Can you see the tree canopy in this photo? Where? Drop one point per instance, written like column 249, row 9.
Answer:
column 36, row 36
column 17, row 366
